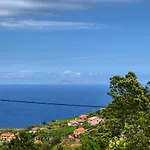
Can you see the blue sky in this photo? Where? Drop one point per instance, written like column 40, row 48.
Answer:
column 80, row 37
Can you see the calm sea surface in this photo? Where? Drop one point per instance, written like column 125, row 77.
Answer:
column 20, row 115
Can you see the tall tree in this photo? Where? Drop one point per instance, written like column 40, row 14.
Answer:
column 127, row 117
column 23, row 142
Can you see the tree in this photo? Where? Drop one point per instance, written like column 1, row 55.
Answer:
column 55, row 140
column 46, row 146
column 23, row 142
column 59, row 147
column 130, row 108
column 127, row 117
column 128, row 98
column 43, row 123
column 89, row 143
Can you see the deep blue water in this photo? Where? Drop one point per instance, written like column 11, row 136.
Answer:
column 20, row 115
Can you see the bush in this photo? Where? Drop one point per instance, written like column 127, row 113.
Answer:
column 56, row 140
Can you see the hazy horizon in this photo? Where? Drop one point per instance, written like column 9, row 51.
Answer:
column 73, row 41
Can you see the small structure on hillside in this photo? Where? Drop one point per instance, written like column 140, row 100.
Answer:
column 7, row 137
column 80, row 121
column 83, row 117
column 71, row 137
column 95, row 120
column 78, row 131
column 44, row 129
column 73, row 123
column 34, row 130
column 76, row 122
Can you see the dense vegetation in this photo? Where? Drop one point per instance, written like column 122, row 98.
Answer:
column 127, row 118
column 126, row 126
column 47, row 139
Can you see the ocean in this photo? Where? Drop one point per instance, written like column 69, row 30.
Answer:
column 18, row 115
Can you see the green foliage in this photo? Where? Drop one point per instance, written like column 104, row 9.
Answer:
column 55, row 140
column 46, row 146
column 85, row 125
column 91, row 114
column 55, row 132
column 59, row 147
column 3, row 148
column 127, row 117
column 89, row 142
column 43, row 123
column 24, row 142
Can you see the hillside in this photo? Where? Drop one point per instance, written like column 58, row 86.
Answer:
column 123, row 125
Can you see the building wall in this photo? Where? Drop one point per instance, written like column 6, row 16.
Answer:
column 95, row 121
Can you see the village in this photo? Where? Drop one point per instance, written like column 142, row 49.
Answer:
column 70, row 130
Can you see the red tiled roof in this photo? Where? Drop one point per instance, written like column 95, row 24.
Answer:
column 7, row 134
column 80, row 130
column 83, row 116
column 35, row 128
column 72, row 121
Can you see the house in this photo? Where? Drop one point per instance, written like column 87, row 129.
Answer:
column 73, row 123
column 95, row 120
column 44, row 129
column 7, row 137
column 70, row 137
column 80, row 121
column 83, row 117
column 78, row 131
column 34, row 130
column 76, row 122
